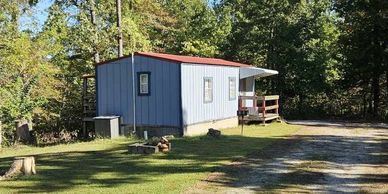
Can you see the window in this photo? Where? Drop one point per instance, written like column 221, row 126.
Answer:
column 144, row 83
column 232, row 88
column 208, row 90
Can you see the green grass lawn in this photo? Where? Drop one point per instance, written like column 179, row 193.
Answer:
column 103, row 166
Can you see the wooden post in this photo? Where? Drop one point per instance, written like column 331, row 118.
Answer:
column 242, row 124
column 84, row 86
column 84, row 134
column 277, row 109
column 255, row 102
column 239, row 103
column 263, row 107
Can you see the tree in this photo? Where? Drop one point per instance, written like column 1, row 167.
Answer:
column 120, row 34
column 200, row 30
column 83, row 32
column 297, row 38
column 26, row 78
column 364, row 32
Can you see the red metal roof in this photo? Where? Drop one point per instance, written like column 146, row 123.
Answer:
column 194, row 60
column 184, row 59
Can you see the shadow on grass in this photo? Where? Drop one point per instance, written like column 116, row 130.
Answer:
column 298, row 161
column 114, row 167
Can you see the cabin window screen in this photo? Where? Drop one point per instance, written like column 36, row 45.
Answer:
column 144, row 83
column 208, row 89
column 232, row 88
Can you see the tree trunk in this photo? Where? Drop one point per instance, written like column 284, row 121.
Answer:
column 370, row 98
column 1, row 135
column 120, row 34
column 93, row 21
column 386, row 84
column 364, row 105
column 15, row 22
column 25, row 165
column 270, row 58
column 376, row 93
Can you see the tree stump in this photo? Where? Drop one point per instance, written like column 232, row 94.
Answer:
column 25, row 165
column 23, row 129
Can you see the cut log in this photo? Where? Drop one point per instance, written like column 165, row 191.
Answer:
column 163, row 146
column 25, row 165
column 164, row 140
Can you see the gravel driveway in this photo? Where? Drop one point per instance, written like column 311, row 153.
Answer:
column 319, row 158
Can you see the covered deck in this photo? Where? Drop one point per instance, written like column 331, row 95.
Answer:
column 260, row 108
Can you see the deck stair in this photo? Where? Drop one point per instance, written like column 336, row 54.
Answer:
column 88, row 101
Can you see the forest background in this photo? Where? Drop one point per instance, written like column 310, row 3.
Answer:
column 331, row 54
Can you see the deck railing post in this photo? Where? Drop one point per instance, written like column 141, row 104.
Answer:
column 263, row 106
column 240, row 103
column 255, row 102
column 260, row 105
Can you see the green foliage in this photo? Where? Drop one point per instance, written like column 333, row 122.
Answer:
column 364, row 32
column 297, row 38
column 27, row 81
column 200, row 30
column 331, row 55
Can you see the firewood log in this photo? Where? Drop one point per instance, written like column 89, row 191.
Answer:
column 164, row 140
column 164, row 146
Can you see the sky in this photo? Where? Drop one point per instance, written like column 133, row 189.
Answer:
column 40, row 15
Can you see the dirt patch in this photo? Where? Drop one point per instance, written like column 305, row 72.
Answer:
column 315, row 159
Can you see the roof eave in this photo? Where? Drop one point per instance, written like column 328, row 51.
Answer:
column 256, row 72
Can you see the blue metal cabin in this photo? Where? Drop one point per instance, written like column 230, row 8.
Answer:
column 182, row 95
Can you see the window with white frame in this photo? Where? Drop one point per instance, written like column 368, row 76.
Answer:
column 144, row 83
column 208, row 89
column 232, row 88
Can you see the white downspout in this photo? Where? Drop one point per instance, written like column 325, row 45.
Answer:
column 133, row 93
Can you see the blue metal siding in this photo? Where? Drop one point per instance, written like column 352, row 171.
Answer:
column 194, row 109
column 161, row 108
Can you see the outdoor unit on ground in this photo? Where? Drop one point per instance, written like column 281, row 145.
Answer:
column 107, row 126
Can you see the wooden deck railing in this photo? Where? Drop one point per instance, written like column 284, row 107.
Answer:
column 262, row 108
